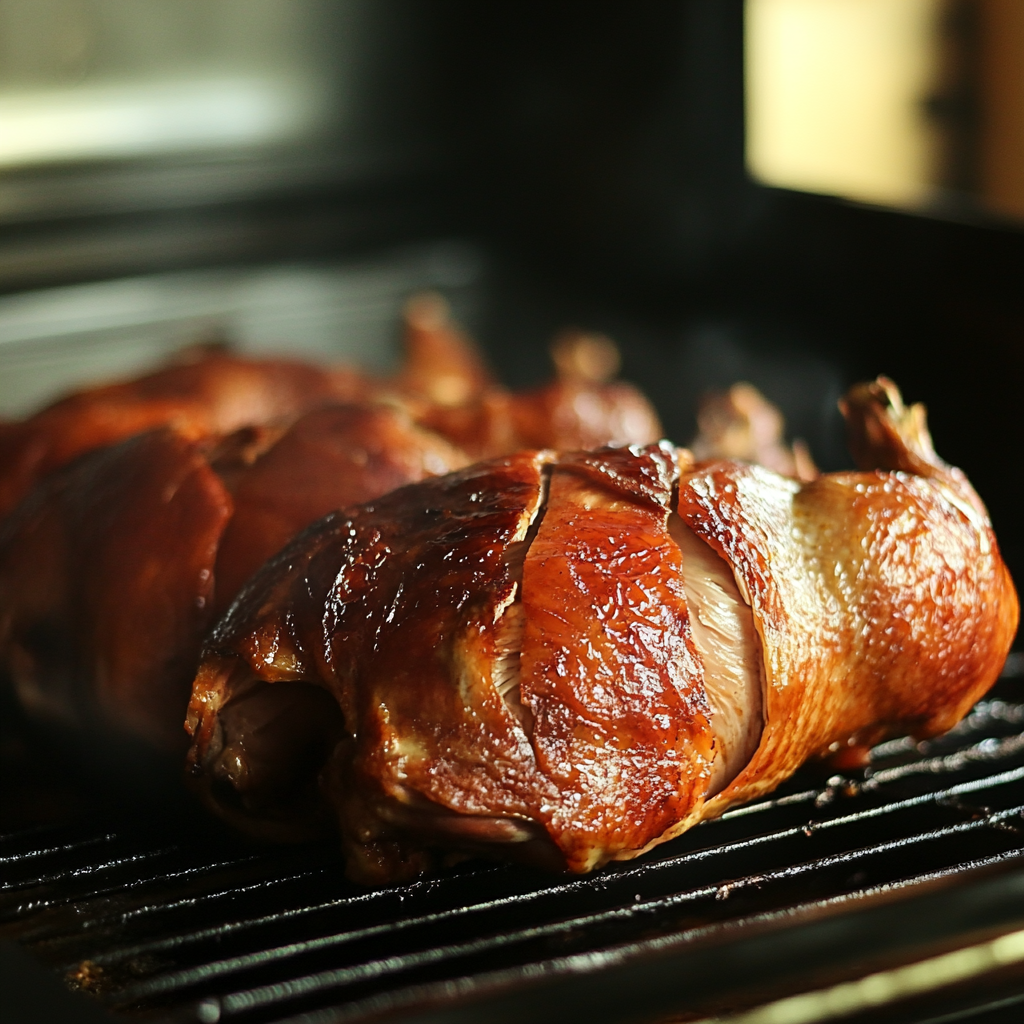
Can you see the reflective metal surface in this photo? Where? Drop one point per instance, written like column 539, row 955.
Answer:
column 155, row 910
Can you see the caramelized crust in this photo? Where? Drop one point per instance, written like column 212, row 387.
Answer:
column 106, row 576
column 393, row 607
column 609, row 670
column 443, row 385
column 329, row 459
column 210, row 395
column 880, row 598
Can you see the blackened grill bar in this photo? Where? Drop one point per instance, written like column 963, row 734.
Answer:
column 159, row 922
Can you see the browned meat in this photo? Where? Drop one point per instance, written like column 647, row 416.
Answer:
column 106, row 577
column 572, row 659
column 620, row 725
column 210, row 394
column 880, row 597
column 329, row 459
column 110, row 569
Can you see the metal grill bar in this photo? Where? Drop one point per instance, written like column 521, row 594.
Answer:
column 241, row 1001
column 163, row 918
column 264, row 957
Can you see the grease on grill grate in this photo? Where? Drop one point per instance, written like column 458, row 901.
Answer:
column 165, row 915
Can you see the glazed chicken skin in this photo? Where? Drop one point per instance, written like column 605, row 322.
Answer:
column 443, row 384
column 119, row 555
column 569, row 659
column 201, row 395
column 112, row 569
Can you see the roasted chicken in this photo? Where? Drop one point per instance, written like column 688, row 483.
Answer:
column 443, row 384
column 111, row 569
column 448, row 390
column 570, row 658
column 119, row 555
column 204, row 394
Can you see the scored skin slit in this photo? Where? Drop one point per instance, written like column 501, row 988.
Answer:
column 729, row 647
column 511, row 619
column 405, row 778
column 621, row 722
column 723, row 633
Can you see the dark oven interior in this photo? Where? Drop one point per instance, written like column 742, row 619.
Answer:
column 543, row 165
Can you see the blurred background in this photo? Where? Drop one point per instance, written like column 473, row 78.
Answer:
column 797, row 193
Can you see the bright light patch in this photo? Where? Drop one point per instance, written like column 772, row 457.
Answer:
column 835, row 96
column 111, row 121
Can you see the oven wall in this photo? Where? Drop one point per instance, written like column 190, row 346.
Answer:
column 603, row 149
column 593, row 153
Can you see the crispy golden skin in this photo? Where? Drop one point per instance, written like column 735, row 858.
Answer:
column 284, row 469
column 392, row 608
column 515, row 672
column 881, row 600
column 608, row 667
column 209, row 395
column 329, row 459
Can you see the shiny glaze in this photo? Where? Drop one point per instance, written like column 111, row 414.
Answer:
column 106, row 575
column 393, row 608
column 209, row 395
column 328, row 459
column 609, row 670
column 881, row 600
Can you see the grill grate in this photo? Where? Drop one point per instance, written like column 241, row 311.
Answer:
column 165, row 915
